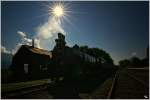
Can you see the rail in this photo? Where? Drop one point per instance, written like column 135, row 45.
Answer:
column 144, row 68
column 138, row 80
column 112, row 89
column 24, row 91
column 114, row 82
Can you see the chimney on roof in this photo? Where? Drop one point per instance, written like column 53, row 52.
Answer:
column 33, row 43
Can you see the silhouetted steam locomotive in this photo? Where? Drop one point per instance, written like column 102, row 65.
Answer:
column 72, row 64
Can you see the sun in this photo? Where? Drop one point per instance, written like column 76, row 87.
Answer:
column 58, row 11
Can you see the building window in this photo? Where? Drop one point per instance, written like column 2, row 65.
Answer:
column 26, row 68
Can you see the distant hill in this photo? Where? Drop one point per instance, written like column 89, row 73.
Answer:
column 6, row 60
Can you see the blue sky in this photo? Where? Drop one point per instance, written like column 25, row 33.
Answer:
column 119, row 28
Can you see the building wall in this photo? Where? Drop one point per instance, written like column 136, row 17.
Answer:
column 27, row 65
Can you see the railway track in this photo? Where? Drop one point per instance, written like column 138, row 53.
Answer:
column 140, row 73
column 111, row 92
column 29, row 93
column 132, row 83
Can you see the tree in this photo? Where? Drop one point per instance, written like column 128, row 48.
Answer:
column 84, row 48
column 124, row 63
column 98, row 53
column 136, row 62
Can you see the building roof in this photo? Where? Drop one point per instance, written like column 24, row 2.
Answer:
column 38, row 50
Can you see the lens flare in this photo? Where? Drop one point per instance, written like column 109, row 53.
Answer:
column 58, row 11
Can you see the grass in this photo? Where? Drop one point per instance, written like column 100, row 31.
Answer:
column 127, row 87
column 102, row 91
column 16, row 86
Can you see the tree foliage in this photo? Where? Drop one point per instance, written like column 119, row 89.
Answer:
column 136, row 62
column 124, row 63
column 98, row 53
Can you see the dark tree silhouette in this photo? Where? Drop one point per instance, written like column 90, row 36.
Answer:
column 124, row 63
column 98, row 53
column 136, row 62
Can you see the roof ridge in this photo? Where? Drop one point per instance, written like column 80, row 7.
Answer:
column 35, row 47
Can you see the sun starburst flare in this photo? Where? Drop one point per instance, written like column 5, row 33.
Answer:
column 58, row 10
